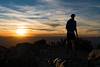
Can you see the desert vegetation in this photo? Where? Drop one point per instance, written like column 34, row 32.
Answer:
column 48, row 54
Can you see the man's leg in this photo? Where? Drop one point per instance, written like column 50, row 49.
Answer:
column 73, row 45
column 69, row 44
column 74, row 53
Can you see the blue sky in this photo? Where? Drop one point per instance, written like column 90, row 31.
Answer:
column 49, row 16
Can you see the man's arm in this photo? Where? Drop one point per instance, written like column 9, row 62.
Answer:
column 67, row 24
column 76, row 33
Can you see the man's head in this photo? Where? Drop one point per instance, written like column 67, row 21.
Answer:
column 72, row 16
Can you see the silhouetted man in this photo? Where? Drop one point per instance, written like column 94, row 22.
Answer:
column 71, row 32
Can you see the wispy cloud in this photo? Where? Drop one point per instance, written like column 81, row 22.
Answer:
column 49, row 15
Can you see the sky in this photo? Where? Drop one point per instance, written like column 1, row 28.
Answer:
column 49, row 16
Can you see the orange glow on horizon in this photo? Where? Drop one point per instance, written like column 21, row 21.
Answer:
column 24, row 32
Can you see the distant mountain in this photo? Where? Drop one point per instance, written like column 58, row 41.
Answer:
column 12, row 41
column 94, row 40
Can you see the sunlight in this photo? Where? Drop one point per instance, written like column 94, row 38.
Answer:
column 21, row 32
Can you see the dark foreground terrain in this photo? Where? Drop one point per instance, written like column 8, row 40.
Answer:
column 50, row 54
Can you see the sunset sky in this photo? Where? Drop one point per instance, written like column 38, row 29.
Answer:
column 48, row 16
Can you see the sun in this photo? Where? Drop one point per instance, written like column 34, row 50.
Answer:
column 21, row 32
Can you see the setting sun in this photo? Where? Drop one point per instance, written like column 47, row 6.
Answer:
column 21, row 32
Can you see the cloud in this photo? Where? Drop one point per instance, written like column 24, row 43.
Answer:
column 53, row 24
column 44, row 30
column 49, row 15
